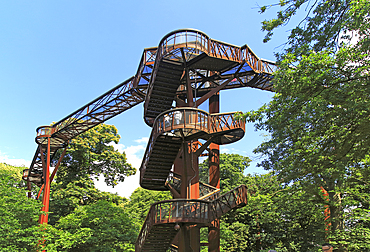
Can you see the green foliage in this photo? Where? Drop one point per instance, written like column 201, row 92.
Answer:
column 66, row 197
column 232, row 168
column 19, row 230
column 91, row 154
column 284, row 218
column 318, row 120
column 101, row 226
column 141, row 200
column 325, row 25
column 82, row 218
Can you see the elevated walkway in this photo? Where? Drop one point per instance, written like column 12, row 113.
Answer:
column 159, row 228
column 173, row 127
column 161, row 75
column 183, row 51
column 186, row 69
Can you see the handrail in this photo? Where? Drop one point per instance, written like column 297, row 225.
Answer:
column 174, row 180
column 190, row 211
column 148, row 58
column 173, row 211
column 212, row 47
column 124, row 96
column 194, row 120
column 199, row 42
column 132, row 90
column 208, row 192
column 236, row 197
column 225, row 121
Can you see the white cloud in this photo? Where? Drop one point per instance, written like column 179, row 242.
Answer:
column 118, row 147
column 224, row 150
column 13, row 161
column 142, row 140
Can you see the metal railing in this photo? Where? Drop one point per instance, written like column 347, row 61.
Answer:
column 191, row 38
column 208, row 192
column 236, row 197
column 190, row 121
column 190, row 211
column 173, row 211
column 225, row 121
column 174, row 180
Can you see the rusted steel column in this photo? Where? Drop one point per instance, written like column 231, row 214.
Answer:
column 214, row 178
column 46, row 194
column 188, row 166
column 214, row 236
column 184, row 239
column 178, row 168
column 194, row 238
column 194, row 194
column 194, row 183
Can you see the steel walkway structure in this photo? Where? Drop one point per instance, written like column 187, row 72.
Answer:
column 173, row 80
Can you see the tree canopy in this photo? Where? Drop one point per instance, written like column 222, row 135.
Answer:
column 91, row 154
column 318, row 120
column 19, row 229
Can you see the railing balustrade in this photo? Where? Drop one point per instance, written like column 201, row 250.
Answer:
column 190, row 121
column 173, row 211
column 191, row 211
column 190, row 38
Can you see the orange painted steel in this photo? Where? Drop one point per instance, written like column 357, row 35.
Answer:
column 187, row 68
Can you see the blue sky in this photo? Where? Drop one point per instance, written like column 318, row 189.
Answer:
column 56, row 56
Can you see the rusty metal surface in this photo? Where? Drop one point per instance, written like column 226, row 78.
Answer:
column 192, row 50
column 171, row 212
column 178, row 47
column 187, row 68
column 176, row 125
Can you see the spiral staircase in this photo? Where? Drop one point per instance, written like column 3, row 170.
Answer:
column 173, row 80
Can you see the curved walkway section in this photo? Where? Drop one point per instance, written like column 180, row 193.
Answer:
column 158, row 78
column 173, row 127
column 193, row 49
column 160, row 228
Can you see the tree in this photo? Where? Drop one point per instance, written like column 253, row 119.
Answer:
column 326, row 25
column 19, row 230
column 277, row 216
column 232, row 168
column 141, row 200
column 91, row 154
column 101, row 226
column 66, row 198
column 88, row 155
column 318, row 120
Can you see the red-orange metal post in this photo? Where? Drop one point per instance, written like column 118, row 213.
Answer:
column 194, row 194
column 214, row 178
column 46, row 195
column 187, row 165
column 54, row 172
column 326, row 212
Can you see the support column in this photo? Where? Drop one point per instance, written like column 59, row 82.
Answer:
column 46, row 194
column 184, row 239
column 194, row 183
column 214, row 178
column 194, row 194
